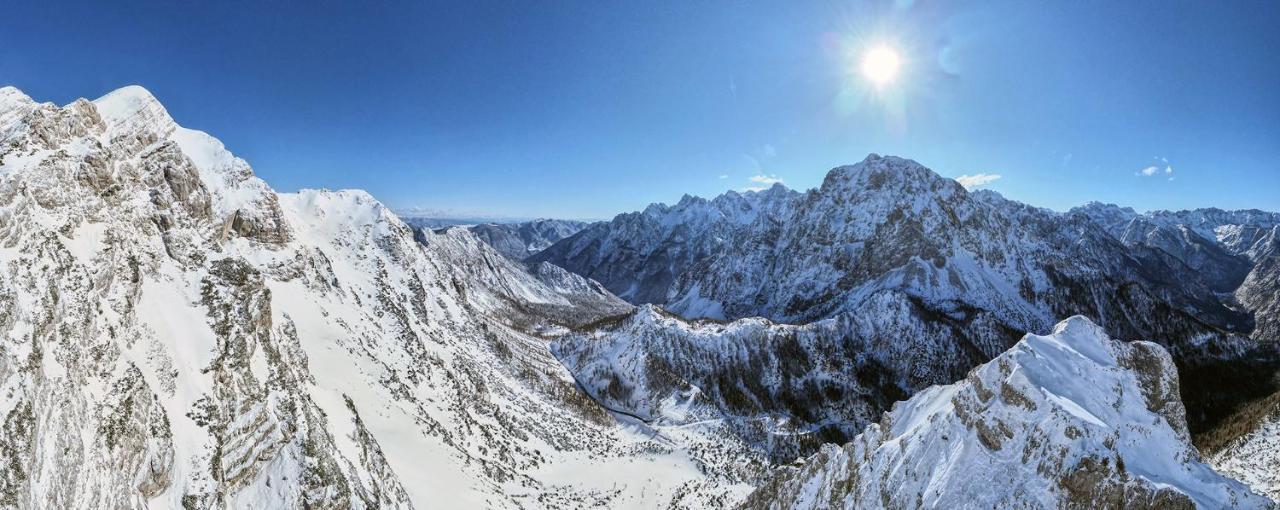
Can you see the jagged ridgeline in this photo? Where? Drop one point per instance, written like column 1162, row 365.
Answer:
column 890, row 242
column 1072, row 419
column 176, row 334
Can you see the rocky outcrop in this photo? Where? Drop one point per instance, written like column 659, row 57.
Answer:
column 1068, row 420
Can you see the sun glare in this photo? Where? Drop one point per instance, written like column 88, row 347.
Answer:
column 880, row 65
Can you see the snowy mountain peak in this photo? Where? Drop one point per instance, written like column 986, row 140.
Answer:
column 134, row 107
column 1071, row 419
column 884, row 172
column 10, row 95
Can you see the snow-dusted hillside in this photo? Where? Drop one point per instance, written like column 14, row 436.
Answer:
column 1234, row 252
column 1068, row 420
column 1252, row 456
column 176, row 334
column 783, row 389
column 639, row 256
column 520, row 240
column 515, row 239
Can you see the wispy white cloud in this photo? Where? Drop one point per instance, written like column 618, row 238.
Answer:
column 724, row 176
column 768, row 150
column 763, row 182
column 977, row 180
column 1156, row 169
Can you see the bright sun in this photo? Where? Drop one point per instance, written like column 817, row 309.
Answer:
column 880, row 65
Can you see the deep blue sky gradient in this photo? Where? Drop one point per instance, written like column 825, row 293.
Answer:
column 590, row 108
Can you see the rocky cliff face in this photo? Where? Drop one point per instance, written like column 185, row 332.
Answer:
column 1068, row 420
column 1260, row 290
column 176, row 334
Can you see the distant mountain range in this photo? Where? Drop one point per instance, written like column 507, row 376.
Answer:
column 887, row 250
column 515, row 239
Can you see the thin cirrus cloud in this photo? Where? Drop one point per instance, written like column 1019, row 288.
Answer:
column 977, row 180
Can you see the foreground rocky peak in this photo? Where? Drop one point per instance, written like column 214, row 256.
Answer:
column 134, row 108
column 1071, row 419
column 177, row 334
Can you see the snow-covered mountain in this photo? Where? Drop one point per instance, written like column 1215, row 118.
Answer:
column 177, row 334
column 640, row 256
column 783, row 389
column 888, row 234
column 1235, row 252
column 520, row 240
column 1072, row 419
column 515, row 239
column 885, row 223
column 887, row 250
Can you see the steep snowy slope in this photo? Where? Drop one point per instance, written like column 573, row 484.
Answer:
column 1252, row 451
column 783, row 389
column 175, row 334
column 1068, row 420
column 639, row 256
column 1260, row 290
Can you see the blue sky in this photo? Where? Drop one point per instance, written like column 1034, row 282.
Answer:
column 587, row 109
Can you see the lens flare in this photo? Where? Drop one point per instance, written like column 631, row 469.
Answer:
column 880, row 65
